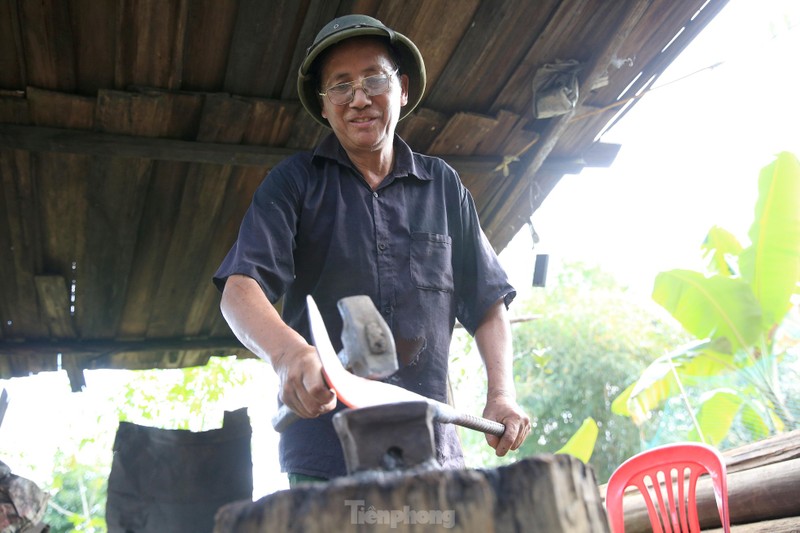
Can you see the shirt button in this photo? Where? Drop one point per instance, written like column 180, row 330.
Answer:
column 387, row 310
column 375, row 194
column 382, row 246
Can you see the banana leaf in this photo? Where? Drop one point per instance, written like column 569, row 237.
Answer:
column 581, row 444
column 771, row 264
column 718, row 410
column 657, row 383
column 719, row 245
column 715, row 307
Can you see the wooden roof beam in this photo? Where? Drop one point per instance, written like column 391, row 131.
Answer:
column 68, row 141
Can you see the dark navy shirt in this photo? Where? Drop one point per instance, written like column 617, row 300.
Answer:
column 415, row 246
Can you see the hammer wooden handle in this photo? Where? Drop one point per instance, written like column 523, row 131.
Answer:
column 284, row 418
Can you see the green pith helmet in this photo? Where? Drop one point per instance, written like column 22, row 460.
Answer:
column 337, row 30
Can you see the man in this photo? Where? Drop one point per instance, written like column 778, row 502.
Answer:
column 363, row 214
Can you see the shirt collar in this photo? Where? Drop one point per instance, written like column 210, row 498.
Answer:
column 405, row 164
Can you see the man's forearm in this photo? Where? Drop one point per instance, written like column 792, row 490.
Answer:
column 255, row 321
column 493, row 338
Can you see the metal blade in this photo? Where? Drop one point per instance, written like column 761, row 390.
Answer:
column 356, row 392
column 352, row 390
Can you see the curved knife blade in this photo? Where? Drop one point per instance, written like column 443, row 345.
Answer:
column 356, row 392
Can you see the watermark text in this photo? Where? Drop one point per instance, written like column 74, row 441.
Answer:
column 361, row 514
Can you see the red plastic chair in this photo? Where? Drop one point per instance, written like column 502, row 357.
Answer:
column 658, row 473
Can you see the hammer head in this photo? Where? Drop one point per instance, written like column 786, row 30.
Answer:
column 368, row 346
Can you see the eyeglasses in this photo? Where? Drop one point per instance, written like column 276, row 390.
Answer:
column 343, row 93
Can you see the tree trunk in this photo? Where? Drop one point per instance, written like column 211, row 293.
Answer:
column 544, row 493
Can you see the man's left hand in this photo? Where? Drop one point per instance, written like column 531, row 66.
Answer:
column 504, row 409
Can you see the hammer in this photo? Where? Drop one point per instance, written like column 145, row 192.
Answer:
column 368, row 348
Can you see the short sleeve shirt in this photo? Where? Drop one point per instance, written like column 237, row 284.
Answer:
column 414, row 246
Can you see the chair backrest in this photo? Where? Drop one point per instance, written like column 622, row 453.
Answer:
column 660, row 474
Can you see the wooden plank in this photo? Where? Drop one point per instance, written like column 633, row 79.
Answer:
column 60, row 110
column 504, row 215
column 497, row 142
column 54, row 301
column 73, row 366
column 150, row 43
column 61, row 193
column 653, row 68
column 781, row 525
column 271, row 122
column 224, row 119
column 110, row 145
column 106, row 347
column 115, row 196
column 421, row 128
column 224, row 218
column 775, row 449
column 94, row 29
column 209, row 29
column 19, row 315
column 259, row 59
column 175, row 358
column 12, row 65
column 14, row 109
column 317, row 14
column 23, row 245
column 205, row 305
column 500, row 217
column 306, row 132
column 149, row 113
column 156, row 231
column 47, row 44
column 203, row 192
column 591, row 26
column 645, row 43
column 462, row 134
column 492, row 47
column 61, row 141
column 600, row 154
column 421, row 21
column 17, row 366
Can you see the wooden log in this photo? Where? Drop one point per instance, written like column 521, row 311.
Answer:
column 775, row 449
column 759, row 494
column 544, row 493
column 781, row 525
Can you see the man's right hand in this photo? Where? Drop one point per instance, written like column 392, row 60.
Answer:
column 302, row 385
column 257, row 324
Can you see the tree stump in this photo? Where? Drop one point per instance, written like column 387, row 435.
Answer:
column 543, row 493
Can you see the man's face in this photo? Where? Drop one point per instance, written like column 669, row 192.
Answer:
column 367, row 123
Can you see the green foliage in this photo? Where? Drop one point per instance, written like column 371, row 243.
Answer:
column 182, row 399
column 570, row 362
column 730, row 377
column 77, row 496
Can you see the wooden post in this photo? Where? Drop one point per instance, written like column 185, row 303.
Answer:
column 544, row 493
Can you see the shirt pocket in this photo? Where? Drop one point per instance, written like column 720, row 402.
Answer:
column 431, row 261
